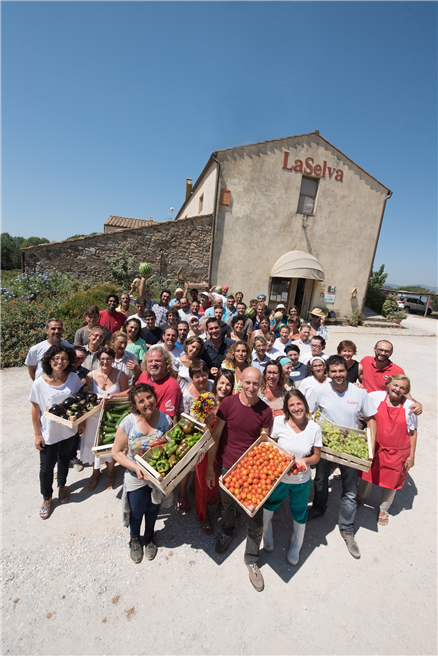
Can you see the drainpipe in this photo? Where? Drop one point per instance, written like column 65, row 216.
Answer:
column 213, row 223
column 375, row 248
column 23, row 262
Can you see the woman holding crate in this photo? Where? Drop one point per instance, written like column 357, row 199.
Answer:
column 302, row 437
column 134, row 437
column 54, row 441
column 105, row 381
column 395, row 444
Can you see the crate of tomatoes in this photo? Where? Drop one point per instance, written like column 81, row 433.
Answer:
column 253, row 478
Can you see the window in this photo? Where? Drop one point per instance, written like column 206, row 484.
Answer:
column 201, row 203
column 306, row 203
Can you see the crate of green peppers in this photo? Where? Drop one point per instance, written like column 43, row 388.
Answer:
column 169, row 460
column 113, row 411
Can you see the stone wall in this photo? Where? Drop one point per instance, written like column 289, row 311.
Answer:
column 184, row 243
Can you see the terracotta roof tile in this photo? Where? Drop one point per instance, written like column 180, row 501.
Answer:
column 124, row 222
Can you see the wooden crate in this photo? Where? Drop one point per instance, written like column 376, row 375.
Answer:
column 71, row 424
column 167, row 483
column 104, row 450
column 344, row 458
column 251, row 513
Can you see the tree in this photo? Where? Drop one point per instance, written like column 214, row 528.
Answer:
column 122, row 268
column 76, row 236
column 10, row 249
column 378, row 278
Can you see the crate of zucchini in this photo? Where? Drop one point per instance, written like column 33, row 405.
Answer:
column 111, row 414
column 346, row 446
column 171, row 458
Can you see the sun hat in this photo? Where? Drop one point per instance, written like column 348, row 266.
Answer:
column 318, row 313
column 178, row 289
column 280, row 306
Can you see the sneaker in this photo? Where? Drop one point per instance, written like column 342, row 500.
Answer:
column 351, row 543
column 150, row 549
column 256, row 577
column 77, row 464
column 136, row 550
column 313, row 513
column 223, row 543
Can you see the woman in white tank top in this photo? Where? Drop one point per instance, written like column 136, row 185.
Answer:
column 104, row 381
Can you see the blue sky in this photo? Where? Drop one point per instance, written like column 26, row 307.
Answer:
column 108, row 106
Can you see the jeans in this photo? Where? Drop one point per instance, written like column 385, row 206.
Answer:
column 255, row 524
column 140, row 503
column 348, row 507
column 49, row 456
column 75, row 447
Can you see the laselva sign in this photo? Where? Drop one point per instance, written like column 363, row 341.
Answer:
column 308, row 167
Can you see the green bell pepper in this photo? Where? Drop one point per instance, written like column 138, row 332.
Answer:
column 162, row 466
column 170, row 448
column 173, row 460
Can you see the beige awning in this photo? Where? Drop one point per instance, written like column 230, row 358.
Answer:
column 298, row 264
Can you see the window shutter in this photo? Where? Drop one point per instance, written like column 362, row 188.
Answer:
column 225, row 197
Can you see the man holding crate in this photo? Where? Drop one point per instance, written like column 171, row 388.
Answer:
column 241, row 419
column 340, row 403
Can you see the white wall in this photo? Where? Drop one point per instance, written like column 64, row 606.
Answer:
column 207, row 187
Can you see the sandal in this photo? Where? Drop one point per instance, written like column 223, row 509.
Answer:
column 63, row 494
column 183, row 505
column 206, row 527
column 46, row 509
column 93, row 481
column 110, row 480
column 383, row 518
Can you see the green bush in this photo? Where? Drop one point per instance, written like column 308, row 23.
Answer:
column 375, row 299
column 72, row 310
column 357, row 318
column 389, row 308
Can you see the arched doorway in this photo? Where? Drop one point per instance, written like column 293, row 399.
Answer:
column 293, row 277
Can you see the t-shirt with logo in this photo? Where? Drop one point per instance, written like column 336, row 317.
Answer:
column 341, row 408
column 243, row 425
column 168, row 393
column 374, row 379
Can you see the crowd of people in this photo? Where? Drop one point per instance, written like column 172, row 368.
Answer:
column 268, row 370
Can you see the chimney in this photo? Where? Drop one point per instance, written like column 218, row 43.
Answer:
column 188, row 188
column 151, row 218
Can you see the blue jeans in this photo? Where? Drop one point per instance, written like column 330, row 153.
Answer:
column 348, row 507
column 140, row 504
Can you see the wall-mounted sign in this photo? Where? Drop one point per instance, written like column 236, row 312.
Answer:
column 308, row 168
column 329, row 298
column 331, row 290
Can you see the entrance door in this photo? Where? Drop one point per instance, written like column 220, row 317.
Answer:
column 292, row 291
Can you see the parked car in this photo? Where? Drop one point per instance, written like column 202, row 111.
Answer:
column 413, row 305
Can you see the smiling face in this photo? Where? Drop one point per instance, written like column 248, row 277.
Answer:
column 124, row 301
column 260, row 348
column 132, row 330
column 156, row 364
column 119, row 344
column 145, row 402
column 183, row 330
column 223, row 387
column 250, row 382
column 214, row 331
column 106, row 362
column 287, row 368
column 240, row 309
column 304, row 333
column 238, row 326
column 165, row 298
column 315, row 347
column 193, row 350
column 200, row 381
column 284, row 334
column 230, row 303
column 294, row 356
column 347, row 353
column 170, row 336
column 54, row 332
column 111, row 305
column 383, row 351
column 59, row 362
column 95, row 339
column 195, row 307
column 240, row 353
column 272, row 375
column 270, row 339
column 218, row 312
column 184, row 304
column 337, row 373
column 296, row 408
column 150, row 323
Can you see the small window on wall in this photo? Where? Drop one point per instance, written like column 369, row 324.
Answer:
column 306, row 203
column 201, row 203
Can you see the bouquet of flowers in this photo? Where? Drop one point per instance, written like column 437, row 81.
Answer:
column 203, row 405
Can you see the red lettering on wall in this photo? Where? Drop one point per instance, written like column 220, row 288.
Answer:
column 309, row 165
column 285, row 160
column 317, row 170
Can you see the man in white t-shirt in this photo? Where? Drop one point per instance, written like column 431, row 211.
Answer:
column 303, row 342
column 54, row 330
column 340, row 403
column 170, row 336
column 317, row 346
column 184, row 312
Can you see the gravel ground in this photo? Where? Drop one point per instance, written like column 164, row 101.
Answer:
column 69, row 586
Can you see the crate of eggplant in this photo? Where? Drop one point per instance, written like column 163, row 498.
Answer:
column 172, row 457
column 113, row 411
column 74, row 410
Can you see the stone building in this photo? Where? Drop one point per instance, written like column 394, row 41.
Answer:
column 292, row 218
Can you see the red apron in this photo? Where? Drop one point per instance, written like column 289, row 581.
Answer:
column 393, row 446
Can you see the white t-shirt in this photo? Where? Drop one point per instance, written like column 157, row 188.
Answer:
column 175, row 354
column 303, row 346
column 273, row 353
column 309, row 383
column 280, row 346
column 342, row 409
column 121, row 365
column 305, row 357
column 142, row 321
column 411, row 419
column 184, row 316
column 47, row 395
column 36, row 352
column 224, row 298
column 299, row 443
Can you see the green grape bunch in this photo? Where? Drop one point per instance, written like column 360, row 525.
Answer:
column 344, row 441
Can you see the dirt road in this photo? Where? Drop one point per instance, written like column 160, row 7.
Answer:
column 69, row 586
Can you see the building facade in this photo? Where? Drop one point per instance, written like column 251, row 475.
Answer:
column 292, row 218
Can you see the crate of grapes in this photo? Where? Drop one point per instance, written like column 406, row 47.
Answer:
column 346, row 446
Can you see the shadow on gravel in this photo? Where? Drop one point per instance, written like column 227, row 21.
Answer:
column 367, row 514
